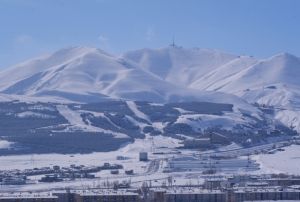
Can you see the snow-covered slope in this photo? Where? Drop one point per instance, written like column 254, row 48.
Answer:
column 178, row 65
column 223, row 75
column 212, row 70
column 83, row 74
column 107, row 125
column 285, row 99
column 173, row 91
column 170, row 74
column 273, row 82
column 88, row 75
column 283, row 68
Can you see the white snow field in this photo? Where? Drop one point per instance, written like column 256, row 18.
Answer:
column 143, row 170
column 133, row 107
column 5, row 144
column 98, row 158
column 287, row 161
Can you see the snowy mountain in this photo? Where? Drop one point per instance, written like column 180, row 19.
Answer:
column 271, row 82
column 178, row 65
column 212, row 70
column 90, row 75
column 172, row 91
column 80, row 74
column 283, row 68
column 87, row 75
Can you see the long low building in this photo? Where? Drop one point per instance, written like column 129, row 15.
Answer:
column 191, row 194
column 283, row 181
column 21, row 197
column 256, row 194
column 107, row 196
column 275, row 201
column 161, row 194
column 204, row 196
column 76, row 196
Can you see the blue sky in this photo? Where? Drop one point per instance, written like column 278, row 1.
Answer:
column 261, row 28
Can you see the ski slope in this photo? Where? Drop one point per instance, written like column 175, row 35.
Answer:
column 77, row 123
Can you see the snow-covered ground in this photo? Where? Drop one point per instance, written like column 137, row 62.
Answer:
column 287, row 161
column 203, row 121
column 75, row 119
column 98, row 158
column 34, row 114
column 133, row 107
column 131, row 151
column 5, row 144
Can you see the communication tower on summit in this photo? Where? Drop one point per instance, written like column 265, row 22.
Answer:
column 173, row 42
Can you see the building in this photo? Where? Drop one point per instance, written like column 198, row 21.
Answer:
column 157, row 194
column 114, row 172
column 213, row 183
column 186, row 194
column 143, row 156
column 194, row 195
column 56, row 168
column 197, row 143
column 122, row 158
column 21, row 197
column 274, row 201
column 51, row 178
column 283, row 181
column 107, row 196
column 14, row 180
column 65, row 196
column 129, row 172
column 269, row 193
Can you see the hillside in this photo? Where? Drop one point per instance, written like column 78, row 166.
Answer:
column 92, row 96
column 271, row 82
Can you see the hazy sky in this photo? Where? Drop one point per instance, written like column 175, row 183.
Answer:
column 254, row 27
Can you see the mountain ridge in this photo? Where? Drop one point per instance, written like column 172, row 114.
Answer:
column 169, row 74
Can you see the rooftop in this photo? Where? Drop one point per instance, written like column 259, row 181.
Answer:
column 26, row 195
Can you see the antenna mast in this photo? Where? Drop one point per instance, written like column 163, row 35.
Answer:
column 173, row 42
